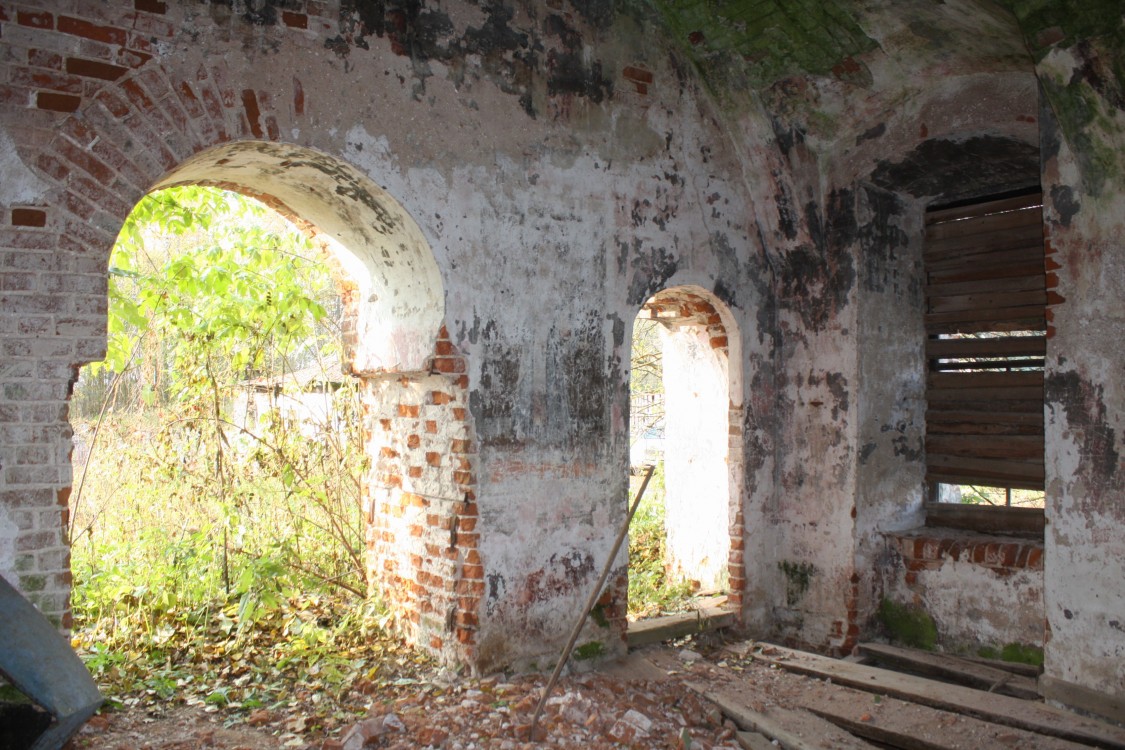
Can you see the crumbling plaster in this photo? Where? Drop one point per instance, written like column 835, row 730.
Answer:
column 561, row 163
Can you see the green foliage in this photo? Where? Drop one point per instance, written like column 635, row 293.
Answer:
column 908, row 624
column 651, row 590
column 219, row 557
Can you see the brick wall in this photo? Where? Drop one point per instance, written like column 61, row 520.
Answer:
column 968, row 582
column 422, row 506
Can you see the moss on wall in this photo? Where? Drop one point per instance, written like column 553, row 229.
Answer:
column 772, row 39
column 1085, row 83
column 908, row 625
column 798, row 576
column 1020, row 653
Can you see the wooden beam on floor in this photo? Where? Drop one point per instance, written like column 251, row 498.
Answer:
column 999, row 709
column 948, row 667
column 660, row 629
column 793, row 730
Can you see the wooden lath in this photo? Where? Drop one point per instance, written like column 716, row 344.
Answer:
column 985, row 275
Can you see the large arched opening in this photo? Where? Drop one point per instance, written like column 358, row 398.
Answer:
column 418, row 478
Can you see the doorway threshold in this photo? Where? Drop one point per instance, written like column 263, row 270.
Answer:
column 708, row 614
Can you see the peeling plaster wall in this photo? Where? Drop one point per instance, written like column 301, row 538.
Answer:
column 562, row 162
column 559, row 168
column 1085, row 383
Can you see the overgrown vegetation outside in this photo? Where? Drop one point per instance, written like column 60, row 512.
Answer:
column 652, row 591
column 218, row 556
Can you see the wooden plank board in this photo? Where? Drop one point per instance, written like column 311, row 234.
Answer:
column 1000, row 709
column 988, row 519
column 1007, row 284
column 987, row 300
column 950, row 468
column 956, row 381
column 987, row 207
column 978, row 225
column 1015, row 667
column 984, row 252
column 987, row 416
column 1030, row 318
column 986, row 394
column 659, row 629
column 793, row 729
column 965, row 273
column 1013, row 346
column 754, row 741
column 986, row 446
column 950, row 667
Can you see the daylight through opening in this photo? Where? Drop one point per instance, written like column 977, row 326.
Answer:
column 680, row 423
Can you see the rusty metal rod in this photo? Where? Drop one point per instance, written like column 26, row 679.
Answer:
column 649, row 468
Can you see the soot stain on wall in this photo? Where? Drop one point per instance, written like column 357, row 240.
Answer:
column 1084, row 406
column 577, row 383
column 495, row 403
column 651, row 270
column 815, row 281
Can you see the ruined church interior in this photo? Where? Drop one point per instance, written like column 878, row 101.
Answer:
column 884, row 242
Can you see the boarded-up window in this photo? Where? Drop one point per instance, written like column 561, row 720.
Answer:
column 986, row 342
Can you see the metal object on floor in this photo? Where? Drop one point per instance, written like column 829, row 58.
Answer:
column 39, row 662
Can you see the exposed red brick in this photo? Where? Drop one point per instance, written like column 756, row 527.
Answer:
column 113, row 103
column 634, row 73
column 408, row 410
column 459, row 413
column 57, row 102
column 78, row 27
column 433, row 458
column 444, row 347
column 449, row 365
column 298, row 97
column 431, row 426
column 94, row 69
column 440, row 398
column 253, row 112
column 46, row 79
column 35, row 20
column 29, row 217
column 413, row 441
column 44, row 58
column 414, row 472
column 461, row 446
column 294, row 20
column 137, row 95
column 718, row 342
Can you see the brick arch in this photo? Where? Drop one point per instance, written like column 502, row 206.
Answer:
column 712, row 326
column 400, row 303
column 132, row 127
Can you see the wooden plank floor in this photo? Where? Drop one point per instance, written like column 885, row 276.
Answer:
column 755, row 687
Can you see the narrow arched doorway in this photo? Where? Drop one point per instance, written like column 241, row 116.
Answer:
column 685, row 422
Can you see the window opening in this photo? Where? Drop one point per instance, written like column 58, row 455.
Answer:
column 985, row 320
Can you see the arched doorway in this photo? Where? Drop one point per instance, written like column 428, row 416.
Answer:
column 418, row 485
column 685, row 420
